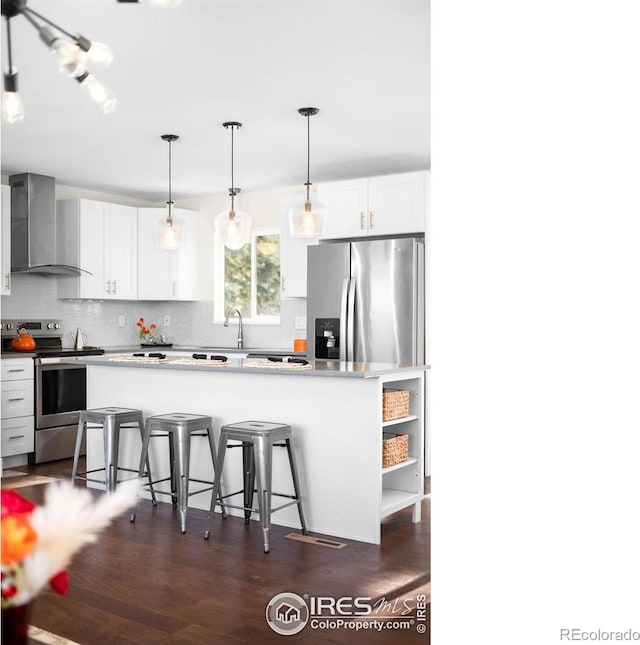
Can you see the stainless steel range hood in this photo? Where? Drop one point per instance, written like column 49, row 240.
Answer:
column 33, row 227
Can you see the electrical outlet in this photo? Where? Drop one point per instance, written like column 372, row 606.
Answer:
column 301, row 322
column 167, row 320
column 120, row 320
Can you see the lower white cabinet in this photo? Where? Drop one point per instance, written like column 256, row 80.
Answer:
column 162, row 274
column 17, row 406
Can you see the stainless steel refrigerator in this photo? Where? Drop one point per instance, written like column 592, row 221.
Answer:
column 366, row 301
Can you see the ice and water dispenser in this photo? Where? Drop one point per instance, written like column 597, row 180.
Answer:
column 327, row 338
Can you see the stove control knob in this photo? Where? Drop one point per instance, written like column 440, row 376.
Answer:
column 9, row 325
column 56, row 326
column 49, row 325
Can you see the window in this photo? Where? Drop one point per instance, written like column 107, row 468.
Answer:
column 249, row 279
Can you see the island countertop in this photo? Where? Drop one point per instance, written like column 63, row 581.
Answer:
column 253, row 365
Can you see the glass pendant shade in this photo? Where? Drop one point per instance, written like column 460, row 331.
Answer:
column 308, row 220
column 234, row 228
column 169, row 233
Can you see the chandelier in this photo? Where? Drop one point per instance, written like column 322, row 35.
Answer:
column 74, row 52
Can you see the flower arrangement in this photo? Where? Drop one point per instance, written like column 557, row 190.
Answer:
column 38, row 542
column 145, row 331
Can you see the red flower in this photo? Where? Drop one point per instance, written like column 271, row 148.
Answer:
column 13, row 503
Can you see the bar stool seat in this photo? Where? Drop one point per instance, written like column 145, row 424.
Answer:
column 179, row 428
column 257, row 440
column 111, row 420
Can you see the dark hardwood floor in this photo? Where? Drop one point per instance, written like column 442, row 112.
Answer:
column 148, row 583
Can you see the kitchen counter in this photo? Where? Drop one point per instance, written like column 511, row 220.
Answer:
column 249, row 365
column 335, row 413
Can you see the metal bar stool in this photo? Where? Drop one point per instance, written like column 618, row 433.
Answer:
column 179, row 428
column 111, row 420
column 258, row 438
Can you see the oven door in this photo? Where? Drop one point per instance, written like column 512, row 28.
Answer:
column 61, row 392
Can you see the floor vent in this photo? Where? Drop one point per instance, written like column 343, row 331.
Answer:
column 314, row 540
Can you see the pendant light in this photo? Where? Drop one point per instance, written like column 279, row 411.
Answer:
column 310, row 219
column 233, row 226
column 169, row 232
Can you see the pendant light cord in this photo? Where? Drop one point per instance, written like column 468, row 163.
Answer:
column 233, row 189
column 9, row 45
column 308, row 184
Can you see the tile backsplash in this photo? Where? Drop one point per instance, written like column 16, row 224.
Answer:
column 191, row 322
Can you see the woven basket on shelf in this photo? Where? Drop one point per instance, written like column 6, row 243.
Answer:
column 395, row 448
column 395, row 404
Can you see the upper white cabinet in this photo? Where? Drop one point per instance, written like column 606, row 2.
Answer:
column 5, row 250
column 102, row 239
column 384, row 205
column 162, row 274
column 293, row 255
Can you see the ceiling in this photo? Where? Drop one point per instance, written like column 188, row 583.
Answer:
column 184, row 71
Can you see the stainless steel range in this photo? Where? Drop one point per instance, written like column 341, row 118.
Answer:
column 60, row 390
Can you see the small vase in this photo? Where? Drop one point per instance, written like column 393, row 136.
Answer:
column 15, row 624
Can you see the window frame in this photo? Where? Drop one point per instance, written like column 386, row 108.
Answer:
column 219, row 280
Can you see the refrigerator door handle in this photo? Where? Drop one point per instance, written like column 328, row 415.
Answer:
column 343, row 319
column 351, row 326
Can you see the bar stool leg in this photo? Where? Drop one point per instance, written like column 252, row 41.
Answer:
column 76, row 454
column 296, row 487
column 215, row 493
column 147, row 465
column 182, row 452
column 212, row 449
column 144, row 459
column 111, row 437
column 172, row 471
column 249, row 478
column 263, row 465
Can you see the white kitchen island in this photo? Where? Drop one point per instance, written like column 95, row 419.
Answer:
column 335, row 413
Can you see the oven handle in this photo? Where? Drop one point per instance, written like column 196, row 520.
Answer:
column 56, row 363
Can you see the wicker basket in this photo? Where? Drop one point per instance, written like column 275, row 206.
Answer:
column 395, row 448
column 395, row 404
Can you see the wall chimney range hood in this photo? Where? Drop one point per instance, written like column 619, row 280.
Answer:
column 33, row 227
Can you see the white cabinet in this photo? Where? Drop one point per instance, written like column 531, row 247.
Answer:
column 163, row 274
column 17, row 406
column 293, row 255
column 102, row 239
column 384, row 205
column 402, row 484
column 5, row 249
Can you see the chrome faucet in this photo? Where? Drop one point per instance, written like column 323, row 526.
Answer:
column 226, row 324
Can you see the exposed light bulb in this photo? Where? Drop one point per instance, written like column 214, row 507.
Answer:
column 98, row 92
column 100, row 54
column 12, row 108
column 308, row 221
column 71, row 58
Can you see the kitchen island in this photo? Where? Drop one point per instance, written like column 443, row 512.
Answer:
column 335, row 412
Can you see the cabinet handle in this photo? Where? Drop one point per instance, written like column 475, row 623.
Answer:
column 8, row 281
column 114, row 287
column 370, row 219
column 173, row 288
column 361, row 221
column 14, row 371
column 282, row 287
column 18, row 399
column 17, row 436
column 108, row 289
